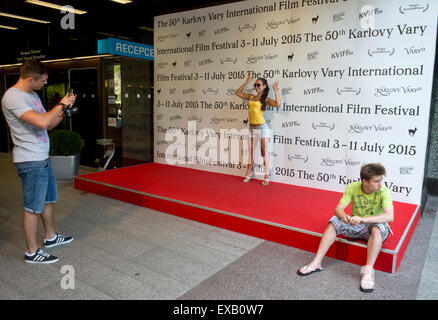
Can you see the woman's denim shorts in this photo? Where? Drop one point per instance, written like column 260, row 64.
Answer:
column 38, row 183
column 261, row 131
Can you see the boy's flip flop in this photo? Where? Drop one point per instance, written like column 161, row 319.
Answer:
column 310, row 271
column 367, row 283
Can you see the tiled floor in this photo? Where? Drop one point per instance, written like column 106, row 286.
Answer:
column 122, row 251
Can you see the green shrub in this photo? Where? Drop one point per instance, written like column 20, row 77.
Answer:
column 65, row 143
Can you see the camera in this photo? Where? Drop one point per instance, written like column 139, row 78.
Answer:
column 69, row 111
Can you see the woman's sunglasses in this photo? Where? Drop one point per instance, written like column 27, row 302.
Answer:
column 257, row 85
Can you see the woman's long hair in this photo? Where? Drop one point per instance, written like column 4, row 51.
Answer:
column 264, row 94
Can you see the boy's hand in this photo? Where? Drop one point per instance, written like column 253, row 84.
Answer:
column 356, row 220
column 346, row 219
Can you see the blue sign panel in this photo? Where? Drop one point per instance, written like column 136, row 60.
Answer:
column 125, row 48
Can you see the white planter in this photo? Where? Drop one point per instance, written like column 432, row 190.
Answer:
column 65, row 167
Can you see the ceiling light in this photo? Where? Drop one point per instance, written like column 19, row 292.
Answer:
column 122, row 1
column 4, row 14
column 125, row 38
column 146, row 28
column 106, row 34
column 6, row 27
column 55, row 6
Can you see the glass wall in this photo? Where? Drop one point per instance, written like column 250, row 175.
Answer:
column 128, row 104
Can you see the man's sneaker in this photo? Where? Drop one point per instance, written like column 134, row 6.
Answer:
column 40, row 257
column 59, row 240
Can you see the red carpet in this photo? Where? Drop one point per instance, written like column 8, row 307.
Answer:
column 295, row 216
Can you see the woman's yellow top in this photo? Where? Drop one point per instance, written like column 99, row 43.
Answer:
column 255, row 112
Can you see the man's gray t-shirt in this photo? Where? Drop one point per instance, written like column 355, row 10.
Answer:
column 31, row 143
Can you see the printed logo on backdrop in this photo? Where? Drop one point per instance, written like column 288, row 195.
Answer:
column 312, row 55
column 228, row 60
column 290, row 124
column 413, row 50
column 208, row 91
column 299, row 157
column 358, row 128
column 312, row 91
column 408, row 170
column 367, row 16
column 369, row 11
column 263, row 58
column 412, row 131
column 286, row 91
column 162, row 38
column 329, row 162
column 412, row 8
column 217, row 121
column 174, row 118
column 341, row 54
column 383, row 51
column 275, row 24
column 324, row 125
column 384, row 91
column 195, row 118
column 161, row 142
column 162, row 65
column 348, row 90
column 188, row 91
column 231, row 92
column 205, row 62
column 221, row 31
column 338, row 16
column 247, row 27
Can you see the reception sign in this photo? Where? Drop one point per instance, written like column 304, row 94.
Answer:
column 125, row 48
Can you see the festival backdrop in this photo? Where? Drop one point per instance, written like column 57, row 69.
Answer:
column 355, row 80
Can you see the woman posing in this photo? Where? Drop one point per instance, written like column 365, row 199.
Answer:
column 257, row 105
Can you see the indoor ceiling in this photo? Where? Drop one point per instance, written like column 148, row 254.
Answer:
column 104, row 16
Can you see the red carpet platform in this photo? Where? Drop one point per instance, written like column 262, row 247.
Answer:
column 294, row 216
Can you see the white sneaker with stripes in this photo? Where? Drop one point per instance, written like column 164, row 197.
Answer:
column 59, row 240
column 40, row 257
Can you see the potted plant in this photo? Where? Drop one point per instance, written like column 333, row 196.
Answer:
column 65, row 149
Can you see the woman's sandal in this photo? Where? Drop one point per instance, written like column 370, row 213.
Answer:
column 265, row 182
column 247, row 179
column 367, row 281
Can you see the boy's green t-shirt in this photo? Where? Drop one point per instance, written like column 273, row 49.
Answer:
column 365, row 205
